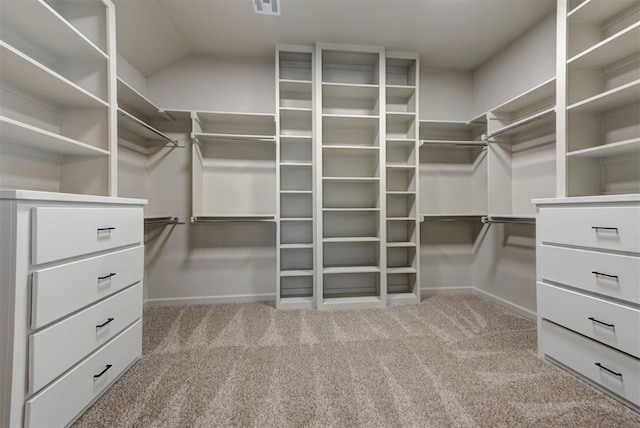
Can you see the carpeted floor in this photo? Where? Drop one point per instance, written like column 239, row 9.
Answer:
column 450, row 361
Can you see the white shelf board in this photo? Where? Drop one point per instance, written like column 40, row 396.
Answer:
column 597, row 11
column 401, row 270
column 295, row 113
column 401, row 192
column 401, row 244
column 352, row 302
column 352, row 148
column 240, row 117
column 23, row 71
column 627, row 147
column 452, row 144
column 350, row 269
column 43, row 25
column 294, row 303
column 400, row 166
column 248, row 138
column 352, row 179
column 302, row 139
column 299, row 272
column 400, row 91
column 402, row 299
column 536, row 120
column 297, row 192
column 532, row 96
column 609, row 100
column 402, row 218
column 618, row 46
column 296, row 86
column 299, row 219
column 295, row 246
column 350, row 209
column 132, row 124
column 296, row 164
column 400, row 117
column 128, row 96
column 352, row 239
column 16, row 132
column 406, row 142
column 350, row 120
column 444, row 216
column 350, row 91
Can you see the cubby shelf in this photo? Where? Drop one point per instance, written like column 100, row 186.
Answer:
column 24, row 134
column 621, row 148
column 401, row 218
column 25, row 72
column 296, row 192
column 613, row 48
column 296, row 164
column 399, row 91
column 40, row 23
column 352, row 239
column 293, row 273
column 295, row 246
column 326, row 209
column 350, row 269
column 597, row 11
column 401, row 245
column 295, row 86
column 296, row 219
column 401, row 166
column 396, row 270
column 247, row 138
column 609, row 100
column 352, row 179
column 350, row 91
column 351, row 148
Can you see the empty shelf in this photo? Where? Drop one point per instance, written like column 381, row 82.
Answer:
column 400, row 117
column 299, row 272
column 352, row 239
column 130, row 97
column 208, row 136
column 400, row 166
column 545, row 90
column 401, row 244
column 509, row 219
column 399, row 91
column 609, row 100
column 23, row 134
column 296, row 219
column 356, row 179
column 349, row 209
column 351, row 148
column 297, row 86
column 350, row 91
column 23, row 71
column 531, row 122
column 453, row 143
column 618, row 46
column 296, row 192
column 620, row 148
column 130, row 123
column 296, row 164
column 402, row 218
column 597, row 11
column 350, row 269
column 391, row 270
column 295, row 246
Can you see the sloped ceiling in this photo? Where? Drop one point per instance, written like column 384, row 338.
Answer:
column 457, row 34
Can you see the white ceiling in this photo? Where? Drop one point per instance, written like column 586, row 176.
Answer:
column 458, row 34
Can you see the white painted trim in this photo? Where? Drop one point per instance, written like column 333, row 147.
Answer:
column 200, row 300
column 527, row 313
column 445, row 290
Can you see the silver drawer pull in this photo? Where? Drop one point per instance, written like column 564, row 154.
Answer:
column 105, row 323
column 597, row 228
column 609, row 370
column 96, row 376
column 112, row 274
column 601, row 322
column 596, row 273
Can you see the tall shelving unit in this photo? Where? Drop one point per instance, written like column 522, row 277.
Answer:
column 402, row 185
column 295, row 154
column 350, row 179
column 58, row 97
column 600, row 114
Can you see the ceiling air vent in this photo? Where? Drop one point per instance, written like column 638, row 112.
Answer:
column 267, row 7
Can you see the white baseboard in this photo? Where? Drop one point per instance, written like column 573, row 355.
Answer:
column 446, row 290
column 527, row 313
column 202, row 300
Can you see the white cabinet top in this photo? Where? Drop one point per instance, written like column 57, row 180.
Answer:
column 33, row 195
column 599, row 199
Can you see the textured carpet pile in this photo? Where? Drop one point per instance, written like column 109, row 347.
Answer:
column 450, row 361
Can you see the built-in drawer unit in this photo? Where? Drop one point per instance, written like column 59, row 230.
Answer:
column 57, row 348
column 613, row 275
column 63, row 400
column 63, row 232
column 60, row 290
column 607, row 322
column 614, row 370
column 609, row 228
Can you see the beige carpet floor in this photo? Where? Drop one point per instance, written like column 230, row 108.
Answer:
column 451, row 361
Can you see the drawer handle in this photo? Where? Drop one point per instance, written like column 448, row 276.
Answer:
column 601, row 322
column 105, row 323
column 596, row 228
column 96, row 376
column 106, row 229
column 100, row 278
column 609, row 370
column 604, row 274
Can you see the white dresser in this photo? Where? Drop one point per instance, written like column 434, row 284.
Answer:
column 588, row 289
column 71, row 271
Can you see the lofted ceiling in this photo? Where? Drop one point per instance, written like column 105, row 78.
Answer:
column 457, row 34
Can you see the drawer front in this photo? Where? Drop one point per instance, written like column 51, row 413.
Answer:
column 581, row 355
column 57, row 348
column 608, row 228
column 607, row 274
column 63, row 232
column 612, row 324
column 63, row 289
column 59, row 403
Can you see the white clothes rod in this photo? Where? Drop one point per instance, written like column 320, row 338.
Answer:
column 165, row 220
column 231, row 219
column 435, row 143
column 533, row 118
column 139, row 122
column 235, row 137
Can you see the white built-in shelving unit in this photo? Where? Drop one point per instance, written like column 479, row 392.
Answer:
column 295, row 154
column 233, row 167
column 599, row 73
column 350, row 180
column 57, row 103
column 521, row 158
column 402, row 185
